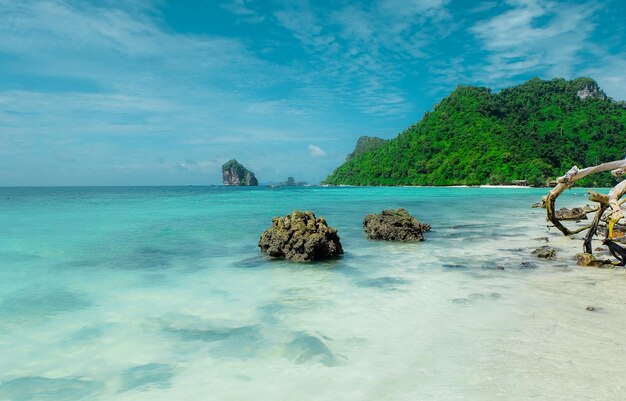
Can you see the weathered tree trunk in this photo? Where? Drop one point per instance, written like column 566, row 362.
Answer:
column 616, row 211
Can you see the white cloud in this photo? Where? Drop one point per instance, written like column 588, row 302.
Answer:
column 316, row 151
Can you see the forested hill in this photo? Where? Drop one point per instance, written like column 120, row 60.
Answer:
column 535, row 131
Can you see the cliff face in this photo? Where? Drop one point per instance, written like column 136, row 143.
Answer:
column 588, row 88
column 366, row 144
column 235, row 174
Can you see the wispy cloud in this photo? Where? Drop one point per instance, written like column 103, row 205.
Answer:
column 364, row 51
column 245, row 10
column 316, row 151
column 484, row 6
column 534, row 36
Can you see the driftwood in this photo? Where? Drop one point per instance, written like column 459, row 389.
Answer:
column 607, row 211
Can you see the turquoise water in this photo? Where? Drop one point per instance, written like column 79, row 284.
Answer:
column 162, row 294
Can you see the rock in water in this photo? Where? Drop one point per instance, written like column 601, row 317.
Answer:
column 545, row 252
column 577, row 213
column 586, row 259
column 235, row 174
column 300, row 237
column 394, row 225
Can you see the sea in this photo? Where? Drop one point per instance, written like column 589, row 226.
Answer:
column 161, row 294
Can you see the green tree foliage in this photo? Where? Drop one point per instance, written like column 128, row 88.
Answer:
column 535, row 131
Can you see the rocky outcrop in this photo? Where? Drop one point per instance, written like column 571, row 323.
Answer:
column 366, row 144
column 300, row 237
column 394, row 225
column 235, row 174
column 588, row 88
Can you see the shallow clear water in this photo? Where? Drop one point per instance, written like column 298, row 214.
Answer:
column 162, row 294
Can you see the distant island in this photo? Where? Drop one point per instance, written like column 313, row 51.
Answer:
column 291, row 182
column 235, row 174
column 530, row 133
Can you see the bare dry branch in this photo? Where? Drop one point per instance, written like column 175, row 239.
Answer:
column 611, row 202
column 565, row 182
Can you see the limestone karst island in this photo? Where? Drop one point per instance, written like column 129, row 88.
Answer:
column 246, row 200
column 234, row 173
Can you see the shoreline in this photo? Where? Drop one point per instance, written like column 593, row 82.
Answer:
column 508, row 186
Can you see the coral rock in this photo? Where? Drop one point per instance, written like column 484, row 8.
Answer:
column 300, row 237
column 545, row 252
column 394, row 225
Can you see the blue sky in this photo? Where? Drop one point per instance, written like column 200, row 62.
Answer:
column 163, row 92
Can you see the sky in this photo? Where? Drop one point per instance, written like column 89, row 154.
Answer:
column 164, row 92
